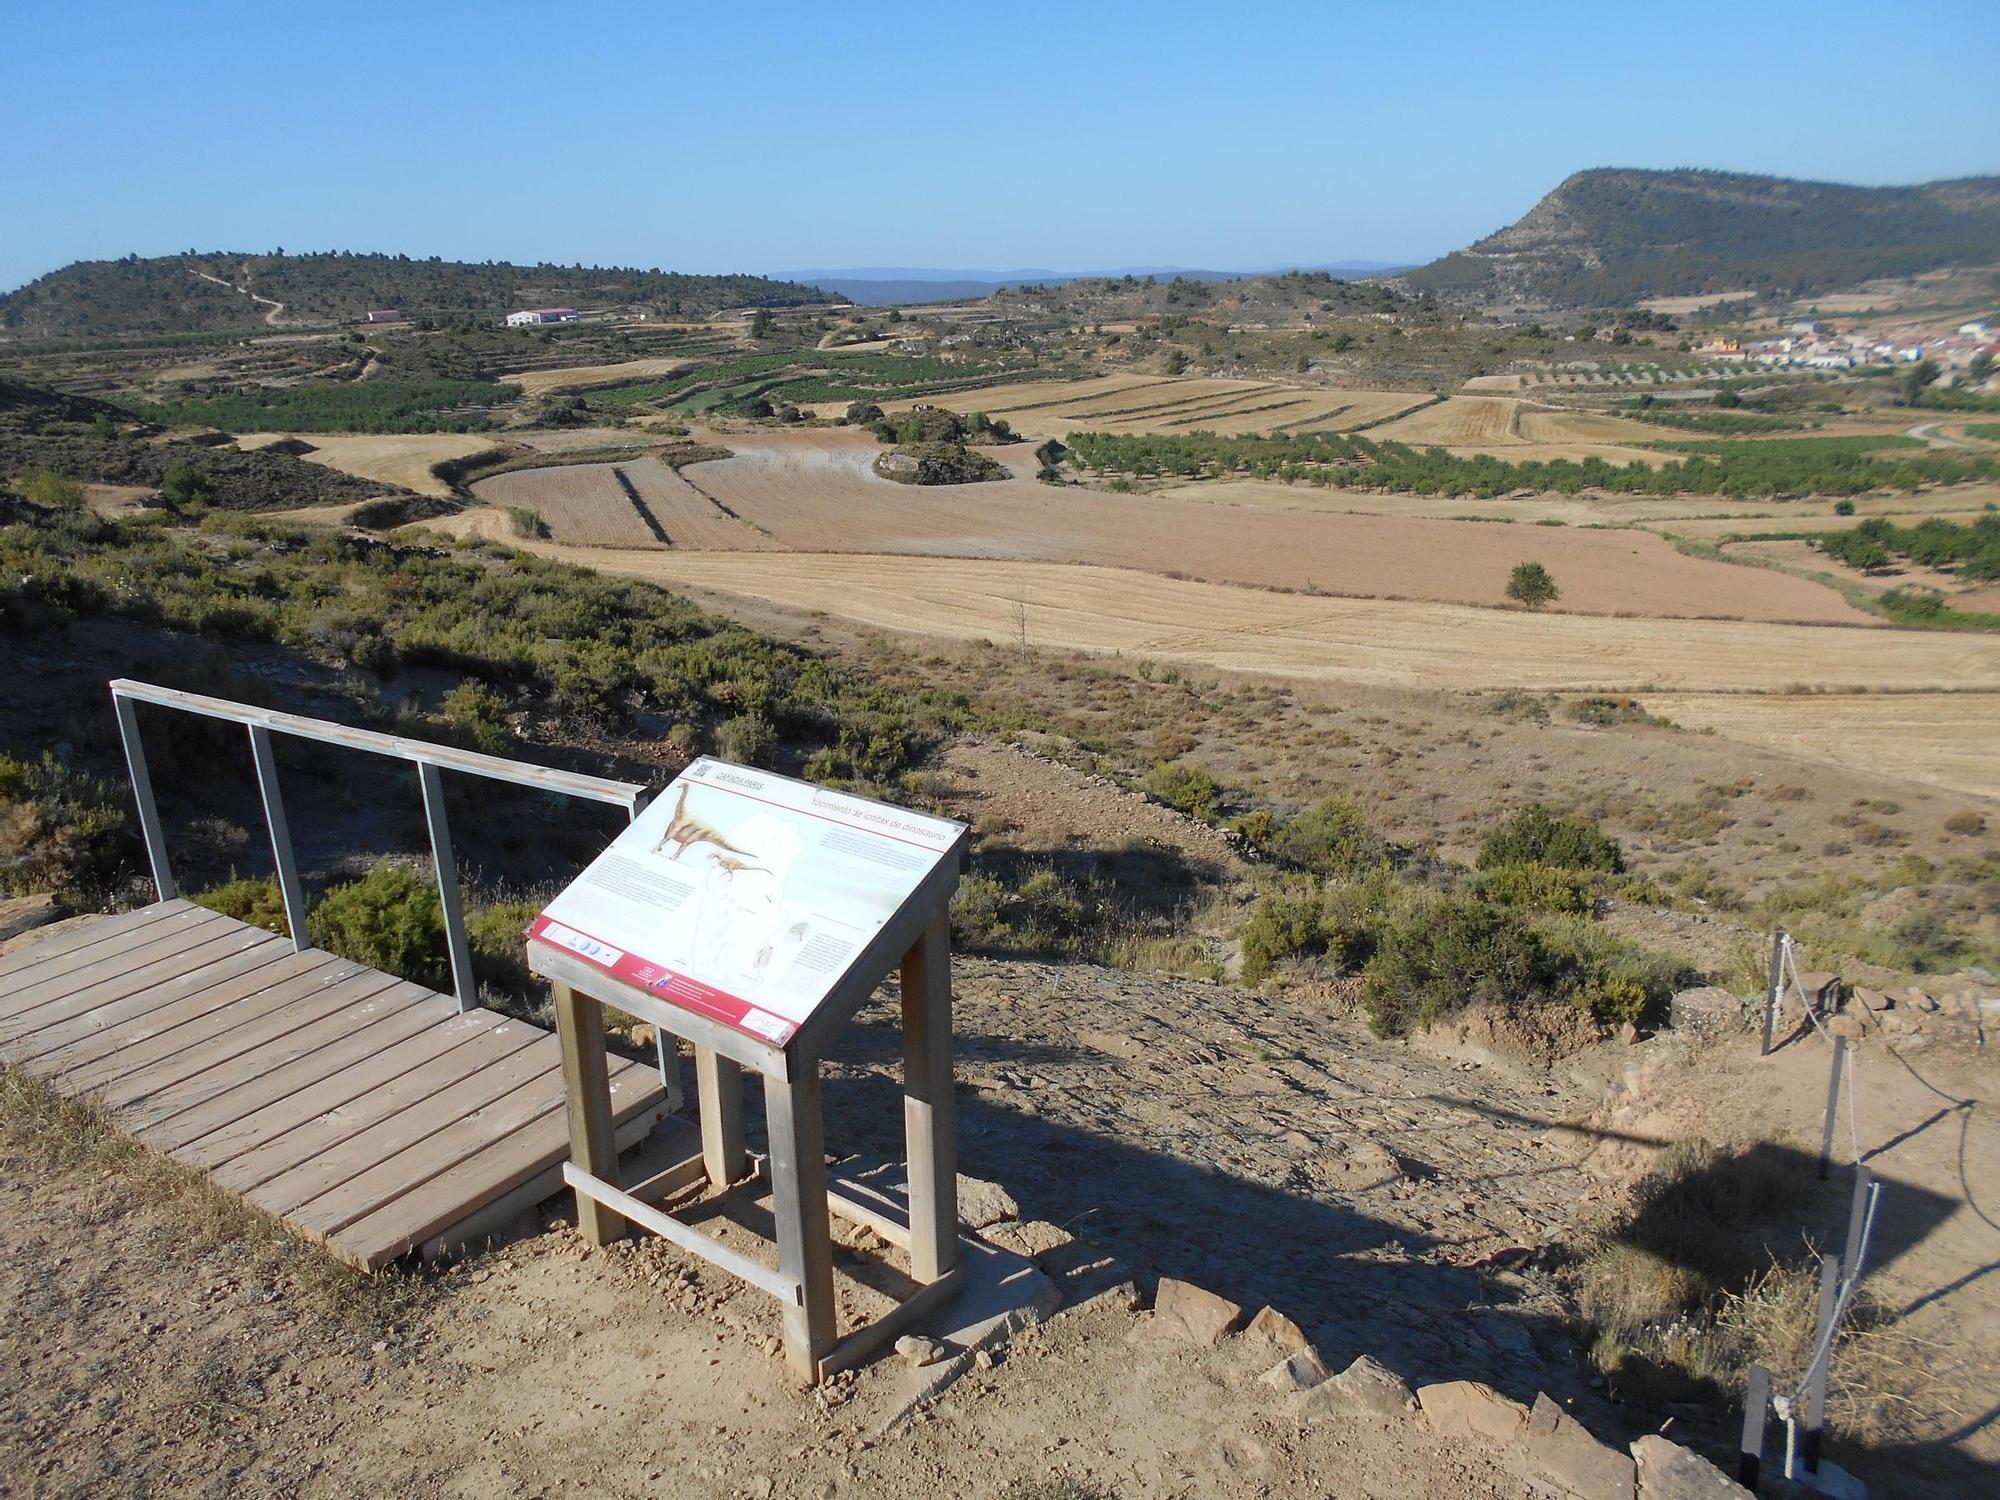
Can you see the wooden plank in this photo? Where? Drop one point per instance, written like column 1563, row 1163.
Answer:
column 586, row 1081
column 798, row 1199
column 161, row 1057
column 200, row 1139
column 930, row 1118
column 718, row 1085
column 82, row 933
column 446, row 1129
column 590, row 1189
column 40, row 980
column 307, row 1051
column 865, row 1340
column 505, row 1166
column 126, row 1022
column 113, row 960
column 113, row 1009
column 317, row 1135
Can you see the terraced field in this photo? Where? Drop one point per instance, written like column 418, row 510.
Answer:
column 388, row 458
column 639, row 503
column 1154, row 403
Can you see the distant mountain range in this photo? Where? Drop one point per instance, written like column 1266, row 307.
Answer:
column 888, row 286
column 1613, row 236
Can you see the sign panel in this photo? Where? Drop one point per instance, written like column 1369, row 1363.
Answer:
column 745, row 896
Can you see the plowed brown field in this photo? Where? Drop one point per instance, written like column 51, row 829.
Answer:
column 1154, row 403
column 589, row 505
column 387, row 458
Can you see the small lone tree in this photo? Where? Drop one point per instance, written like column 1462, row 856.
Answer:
column 1530, row 586
column 760, row 323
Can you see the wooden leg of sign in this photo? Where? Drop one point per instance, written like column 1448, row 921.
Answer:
column 592, row 1146
column 798, row 1195
column 719, row 1086
column 930, row 1117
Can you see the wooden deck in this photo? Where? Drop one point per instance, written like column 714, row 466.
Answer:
column 364, row 1111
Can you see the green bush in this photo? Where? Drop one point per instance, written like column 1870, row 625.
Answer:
column 495, row 935
column 1331, row 837
column 389, row 920
column 1449, row 953
column 257, row 902
column 1187, row 788
column 482, row 714
column 1537, row 887
column 1535, row 835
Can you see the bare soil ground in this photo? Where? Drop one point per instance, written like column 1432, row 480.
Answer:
column 638, row 503
column 388, row 458
column 816, row 491
column 1264, row 1147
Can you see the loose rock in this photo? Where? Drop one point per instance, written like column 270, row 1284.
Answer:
column 1297, row 1372
column 1280, row 1330
column 1561, row 1451
column 1473, row 1411
column 920, row 1351
column 1192, row 1313
column 982, row 1203
column 1667, row 1471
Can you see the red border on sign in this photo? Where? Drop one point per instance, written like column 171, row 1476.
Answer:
column 671, row 985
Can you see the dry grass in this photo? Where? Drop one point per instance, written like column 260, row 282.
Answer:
column 45, row 1133
column 571, row 377
column 387, row 458
column 1152, row 403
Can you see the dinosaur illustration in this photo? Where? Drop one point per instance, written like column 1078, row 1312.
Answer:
column 732, row 867
column 684, row 832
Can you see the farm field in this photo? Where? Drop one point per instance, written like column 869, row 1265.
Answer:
column 388, row 458
column 1941, row 739
column 1157, row 403
column 573, row 377
column 640, row 503
column 814, row 491
column 1392, row 643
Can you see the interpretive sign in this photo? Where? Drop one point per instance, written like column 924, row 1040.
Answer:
column 745, row 896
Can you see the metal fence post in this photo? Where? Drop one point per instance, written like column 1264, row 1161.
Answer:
column 1756, row 1413
column 1774, row 992
column 1832, row 1107
column 462, row 982
column 142, row 793
column 281, row 837
column 1814, row 1423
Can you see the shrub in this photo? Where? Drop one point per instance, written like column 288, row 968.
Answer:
column 1187, row 788
column 184, row 485
column 1331, row 837
column 1537, row 836
column 390, row 920
column 1965, row 822
column 1843, row 507
column 258, row 902
column 1538, row 887
column 499, row 959
column 1448, row 953
column 482, row 713
column 525, row 521
column 747, row 739
column 46, row 487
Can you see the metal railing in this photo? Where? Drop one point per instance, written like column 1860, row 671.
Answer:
column 430, row 760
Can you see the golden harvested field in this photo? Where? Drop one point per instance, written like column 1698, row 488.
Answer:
column 386, row 458
column 1521, row 453
column 1537, row 424
column 608, row 505
column 1156, row 403
column 814, row 491
column 1393, row 643
column 569, row 377
column 1470, row 420
column 1941, row 739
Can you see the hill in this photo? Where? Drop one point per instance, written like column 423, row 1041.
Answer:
column 889, row 286
column 226, row 293
column 1612, row 236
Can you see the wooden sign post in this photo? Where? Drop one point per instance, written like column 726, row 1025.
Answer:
column 828, row 894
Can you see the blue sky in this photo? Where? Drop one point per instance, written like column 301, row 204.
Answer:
column 767, row 136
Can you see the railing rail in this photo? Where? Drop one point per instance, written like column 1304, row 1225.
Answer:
column 431, row 761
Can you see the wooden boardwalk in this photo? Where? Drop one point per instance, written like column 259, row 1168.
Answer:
column 364, row 1111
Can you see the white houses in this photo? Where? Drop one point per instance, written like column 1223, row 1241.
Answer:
column 383, row 315
column 535, row 315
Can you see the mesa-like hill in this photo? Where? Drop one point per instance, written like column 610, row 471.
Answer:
column 1612, row 236
column 227, row 293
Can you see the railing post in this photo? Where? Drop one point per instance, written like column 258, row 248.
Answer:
column 142, row 793
column 667, row 1053
column 281, row 837
column 462, row 982
column 1774, row 991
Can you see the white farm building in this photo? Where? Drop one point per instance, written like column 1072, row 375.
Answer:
column 535, row 315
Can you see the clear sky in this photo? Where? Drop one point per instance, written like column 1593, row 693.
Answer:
column 767, row 135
